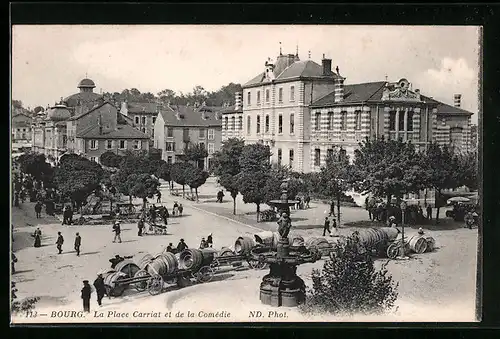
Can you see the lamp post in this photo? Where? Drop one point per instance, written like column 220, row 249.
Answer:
column 403, row 209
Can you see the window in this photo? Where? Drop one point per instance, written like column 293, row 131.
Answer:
column 211, row 134
column 154, row 120
column 267, row 95
column 258, row 97
column 392, row 121
column 280, row 156
column 249, row 98
column 330, row 121
column 233, row 123
column 357, row 120
column 143, row 129
column 292, row 123
column 93, row 144
column 329, row 153
column 211, row 148
column 258, row 124
column 137, row 120
column 170, row 132
column 249, row 125
column 137, row 144
column 240, row 123
column 202, row 145
column 292, row 93
column 317, row 121
column 185, row 134
column 123, row 144
column 169, row 159
column 267, row 123
column 144, row 120
column 280, row 124
column 280, row 95
column 202, row 133
column 94, row 159
column 409, row 121
column 343, row 120
column 170, row 146
column 226, row 123
column 24, row 129
column 109, row 144
column 152, row 132
column 401, row 121
column 317, row 157
column 23, row 136
column 290, row 158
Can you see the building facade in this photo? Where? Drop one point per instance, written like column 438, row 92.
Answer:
column 232, row 119
column 21, row 130
column 179, row 126
column 143, row 115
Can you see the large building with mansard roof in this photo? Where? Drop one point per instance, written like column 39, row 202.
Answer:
column 304, row 110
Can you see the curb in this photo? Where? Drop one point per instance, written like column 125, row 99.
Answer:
column 227, row 218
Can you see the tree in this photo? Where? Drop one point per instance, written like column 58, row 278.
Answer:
column 38, row 109
column 467, row 170
column 195, row 153
column 387, row 168
column 255, row 167
column 226, row 165
column 77, row 177
column 167, row 96
column 180, row 173
column 110, row 159
column 142, row 186
column 164, row 173
column 349, row 283
column 36, row 165
column 195, row 178
column 17, row 104
column 441, row 171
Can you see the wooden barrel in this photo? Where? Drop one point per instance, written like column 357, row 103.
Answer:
column 128, row 267
column 418, row 244
column 194, row 259
column 321, row 244
column 163, row 264
column 225, row 251
column 372, row 237
column 144, row 261
column 392, row 232
column 243, row 245
column 297, row 241
column 264, row 238
column 431, row 243
column 110, row 278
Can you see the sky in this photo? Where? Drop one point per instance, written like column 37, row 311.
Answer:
column 49, row 61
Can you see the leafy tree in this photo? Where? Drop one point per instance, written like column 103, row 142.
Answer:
column 255, row 167
column 195, row 178
column 467, row 169
column 167, row 95
column 226, row 165
column 349, row 282
column 311, row 182
column 36, row 165
column 24, row 306
column 110, row 159
column 387, row 168
column 17, row 104
column 180, row 174
column 77, row 177
column 164, row 173
column 195, row 153
column 142, row 186
column 38, row 109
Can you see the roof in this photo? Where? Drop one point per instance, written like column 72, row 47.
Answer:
column 76, row 117
column 299, row 69
column 231, row 109
column 81, row 98
column 372, row 92
column 190, row 117
column 86, row 83
column 142, row 107
column 121, row 132
column 58, row 113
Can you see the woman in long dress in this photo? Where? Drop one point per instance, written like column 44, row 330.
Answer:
column 38, row 238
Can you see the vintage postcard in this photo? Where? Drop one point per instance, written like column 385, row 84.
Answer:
column 176, row 174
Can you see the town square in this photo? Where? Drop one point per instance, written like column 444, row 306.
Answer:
column 291, row 194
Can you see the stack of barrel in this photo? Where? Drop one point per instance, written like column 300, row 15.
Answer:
column 420, row 244
column 194, row 259
column 164, row 263
column 320, row 244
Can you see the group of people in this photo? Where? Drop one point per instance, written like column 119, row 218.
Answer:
column 378, row 210
column 181, row 246
column 67, row 215
column 206, row 243
column 59, row 242
column 86, row 292
column 302, row 203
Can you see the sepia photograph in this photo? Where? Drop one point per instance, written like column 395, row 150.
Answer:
column 245, row 173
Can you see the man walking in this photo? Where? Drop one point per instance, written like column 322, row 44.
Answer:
column 181, row 208
column 158, row 199
column 326, row 227
column 332, row 208
column 428, row 209
column 38, row 209
column 307, row 200
column 100, row 289
column 140, row 226
column 117, row 230
column 78, row 243
column 86, row 292
column 59, row 242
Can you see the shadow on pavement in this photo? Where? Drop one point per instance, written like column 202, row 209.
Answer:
column 89, row 253
column 21, row 272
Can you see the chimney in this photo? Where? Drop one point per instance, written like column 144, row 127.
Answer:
column 327, row 66
column 124, row 108
column 99, row 124
column 237, row 100
column 339, row 90
column 457, row 100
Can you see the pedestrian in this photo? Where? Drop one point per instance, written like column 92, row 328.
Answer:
column 428, row 209
column 210, row 241
column 392, row 222
column 78, row 243
column 38, row 209
column 116, row 260
column 420, row 212
column 65, row 216
column 174, row 209
column 220, row 195
column 332, row 208
column 13, row 290
column 38, row 237
column 152, row 214
column 181, row 208
column 326, row 227
column 158, row 199
column 13, row 261
column 307, row 200
column 170, row 248
column 100, row 289
column 70, row 215
column 203, row 244
column 86, row 292
column 117, row 230
column 469, row 220
column 59, row 242
column 299, row 202
column 181, row 246
column 140, row 226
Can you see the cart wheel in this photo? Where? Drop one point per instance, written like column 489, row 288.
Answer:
column 205, row 274
column 141, row 285
column 392, row 251
column 119, row 289
column 155, row 284
column 256, row 264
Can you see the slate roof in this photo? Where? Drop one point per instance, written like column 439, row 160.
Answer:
column 75, row 117
column 231, row 109
column 142, row 107
column 372, row 92
column 190, row 117
column 301, row 69
column 121, row 132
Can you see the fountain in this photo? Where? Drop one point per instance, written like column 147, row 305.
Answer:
column 282, row 286
column 283, row 204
